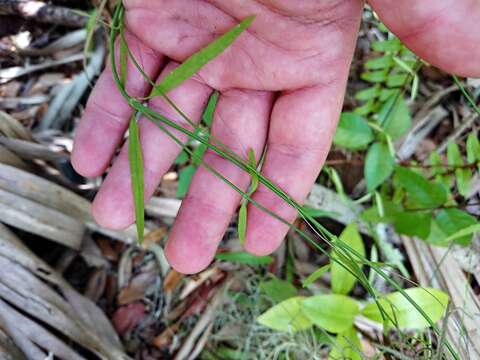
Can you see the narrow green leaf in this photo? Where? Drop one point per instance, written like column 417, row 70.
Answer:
column 421, row 192
column 403, row 314
column 278, row 290
column 353, row 132
column 342, row 280
column 184, row 178
column 200, row 58
column 243, row 257
column 379, row 165
column 452, row 221
column 207, row 116
column 197, row 155
column 315, row 275
column 253, row 163
column 286, row 316
column 347, row 346
column 242, row 222
column 182, row 158
column 136, row 172
column 123, row 60
column 334, row 313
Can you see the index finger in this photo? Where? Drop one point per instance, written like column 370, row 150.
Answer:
column 107, row 113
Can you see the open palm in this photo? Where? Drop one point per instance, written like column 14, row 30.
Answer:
column 281, row 85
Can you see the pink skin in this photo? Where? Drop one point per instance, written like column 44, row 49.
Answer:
column 282, row 85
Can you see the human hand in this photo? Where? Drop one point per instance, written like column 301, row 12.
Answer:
column 281, row 83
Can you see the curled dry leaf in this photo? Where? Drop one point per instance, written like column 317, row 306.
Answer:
column 127, row 317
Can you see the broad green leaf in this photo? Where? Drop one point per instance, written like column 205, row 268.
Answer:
column 397, row 80
column 278, row 290
column 454, row 156
column 378, row 76
column 135, row 159
column 242, row 222
column 394, row 116
column 200, row 58
column 390, row 209
column 469, row 230
column 342, row 280
column 184, row 178
column 334, row 313
column 402, row 314
column 368, row 94
column 437, row 166
column 379, row 165
column 244, row 258
column 387, row 93
column 353, row 132
column 226, row 353
column 367, row 108
column 452, row 221
column 381, row 62
column 421, row 192
column 413, row 223
column 207, row 116
column 463, row 178
column 286, row 316
column 436, row 237
column 462, row 175
column 315, row 275
column 473, row 149
column 387, row 45
column 347, row 346
column 404, row 65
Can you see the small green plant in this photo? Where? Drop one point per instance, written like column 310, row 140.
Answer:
column 335, row 313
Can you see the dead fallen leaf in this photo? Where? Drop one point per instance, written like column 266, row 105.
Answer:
column 136, row 289
column 127, row 317
column 172, row 280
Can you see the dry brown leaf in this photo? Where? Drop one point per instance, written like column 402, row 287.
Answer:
column 172, row 280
